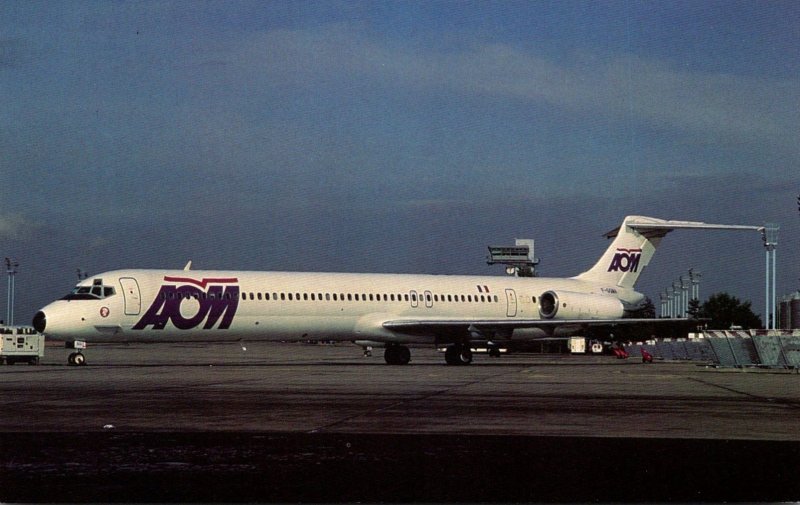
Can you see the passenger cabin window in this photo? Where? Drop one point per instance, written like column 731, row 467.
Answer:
column 97, row 291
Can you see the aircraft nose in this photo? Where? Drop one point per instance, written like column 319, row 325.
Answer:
column 39, row 322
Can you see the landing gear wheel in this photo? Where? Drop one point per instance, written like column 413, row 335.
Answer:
column 458, row 354
column 397, row 355
column 76, row 359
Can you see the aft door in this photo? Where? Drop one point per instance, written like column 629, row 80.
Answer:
column 511, row 300
column 130, row 292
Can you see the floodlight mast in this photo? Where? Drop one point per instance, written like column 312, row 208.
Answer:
column 671, row 301
column 694, row 278
column 676, row 288
column 769, row 234
column 11, row 270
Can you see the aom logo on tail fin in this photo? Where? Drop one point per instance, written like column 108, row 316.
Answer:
column 627, row 255
column 625, row 260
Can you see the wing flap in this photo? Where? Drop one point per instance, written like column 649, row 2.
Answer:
column 448, row 327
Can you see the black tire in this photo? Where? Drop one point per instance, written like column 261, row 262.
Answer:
column 458, row 355
column 397, row 355
column 451, row 355
column 404, row 355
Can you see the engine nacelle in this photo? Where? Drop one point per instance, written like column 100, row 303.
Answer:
column 571, row 305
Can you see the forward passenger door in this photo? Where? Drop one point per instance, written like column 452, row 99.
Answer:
column 131, row 296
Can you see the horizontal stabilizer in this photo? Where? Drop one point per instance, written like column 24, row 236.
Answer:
column 634, row 244
column 649, row 225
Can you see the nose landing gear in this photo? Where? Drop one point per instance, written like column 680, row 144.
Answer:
column 76, row 358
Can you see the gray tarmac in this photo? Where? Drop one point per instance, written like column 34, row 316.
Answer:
column 321, row 423
column 301, row 388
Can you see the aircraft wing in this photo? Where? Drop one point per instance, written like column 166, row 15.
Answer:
column 492, row 327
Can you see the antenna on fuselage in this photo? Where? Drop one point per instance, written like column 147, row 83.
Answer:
column 188, row 266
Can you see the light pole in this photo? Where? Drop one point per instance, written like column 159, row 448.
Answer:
column 685, row 284
column 671, row 301
column 694, row 278
column 769, row 235
column 11, row 270
column 694, row 281
column 678, row 290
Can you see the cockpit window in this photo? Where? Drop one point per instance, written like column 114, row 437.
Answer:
column 95, row 292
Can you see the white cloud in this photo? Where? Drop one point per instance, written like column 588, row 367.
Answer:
column 14, row 227
column 651, row 91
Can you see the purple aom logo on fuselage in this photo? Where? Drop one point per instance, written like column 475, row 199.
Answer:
column 625, row 260
column 213, row 299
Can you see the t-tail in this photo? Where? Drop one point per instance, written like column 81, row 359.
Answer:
column 628, row 254
column 634, row 244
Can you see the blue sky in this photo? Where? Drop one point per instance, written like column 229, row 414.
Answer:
column 394, row 136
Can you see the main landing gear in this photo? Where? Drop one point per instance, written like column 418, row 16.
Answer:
column 458, row 354
column 397, row 355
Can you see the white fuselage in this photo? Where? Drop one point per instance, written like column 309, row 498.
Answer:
column 181, row 305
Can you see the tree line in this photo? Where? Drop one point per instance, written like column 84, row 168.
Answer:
column 720, row 311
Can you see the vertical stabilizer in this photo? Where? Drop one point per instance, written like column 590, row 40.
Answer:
column 635, row 243
column 628, row 254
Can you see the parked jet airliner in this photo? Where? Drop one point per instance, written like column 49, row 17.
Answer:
column 389, row 309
